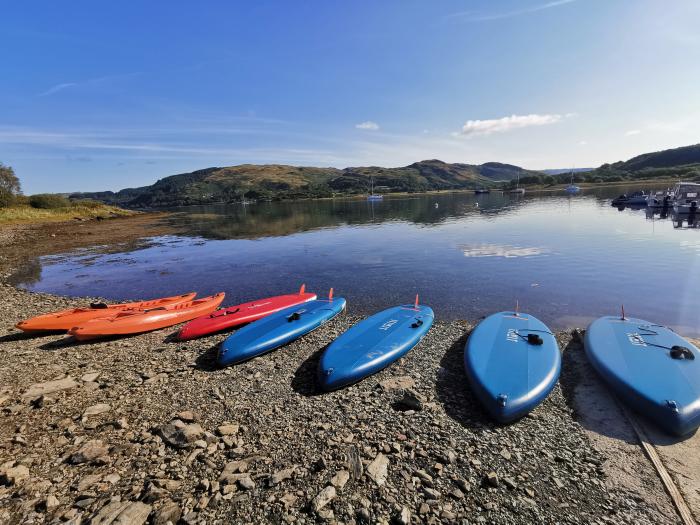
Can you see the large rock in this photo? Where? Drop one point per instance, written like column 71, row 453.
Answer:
column 169, row 512
column 11, row 474
column 91, row 451
column 398, row 383
column 378, row 469
column 180, row 435
column 122, row 513
column 323, row 498
column 95, row 410
column 49, row 387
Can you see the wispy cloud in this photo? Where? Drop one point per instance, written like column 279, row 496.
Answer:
column 501, row 125
column 57, row 88
column 472, row 16
column 368, row 125
column 633, row 132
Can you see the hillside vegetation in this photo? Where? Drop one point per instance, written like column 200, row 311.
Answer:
column 281, row 182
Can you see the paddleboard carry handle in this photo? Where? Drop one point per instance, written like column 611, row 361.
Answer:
column 681, row 352
column 294, row 317
column 417, row 323
column 98, row 306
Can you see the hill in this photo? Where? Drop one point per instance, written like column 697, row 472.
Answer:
column 281, row 182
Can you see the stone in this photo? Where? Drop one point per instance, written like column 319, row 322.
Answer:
column 49, row 387
column 90, row 377
column 510, row 483
column 14, row 475
column 492, row 479
column 169, row 512
column 323, row 498
column 227, row 430
column 187, row 416
column 50, row 503
column 378, row 469
column 355, row 463
column 180, row 435
column 92, row 450
column 95, row 410
column 431, row 493
column 246, row 483
column 404, row 517
column 340, row 479
column 411, row 400
column 86, row 482
column 397, row 383
column 281, row 475
column 122, row 513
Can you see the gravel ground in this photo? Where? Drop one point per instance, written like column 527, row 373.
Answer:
column 143, row 429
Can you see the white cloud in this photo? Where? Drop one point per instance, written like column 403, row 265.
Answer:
column 57, row 88
column 633, row 132
column 475, row 17
column 582, row 143
column 369, row 125
column 501, row 125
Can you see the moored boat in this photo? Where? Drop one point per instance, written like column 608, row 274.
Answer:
column 686, row 197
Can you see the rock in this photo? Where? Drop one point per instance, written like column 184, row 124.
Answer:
column 246, row 483
column 510, row 483
column 179, row 435
column 355, row 463
column 187, row 416
column 88, row 481
column 13, row 475
column 411, row 400
column 90, row 377
column 50, row 503
column 323, row 498
column 288, row 500
column 95, row 410
column 378, row 469
column 281, row 475
column 227, row 430
column 169, row 512
column 404, row 517
column 431, row 493
column 40, row 389
column 92, row 450
column 492, row 479
column 397, row 383
column 340, row 479
column 122, row 513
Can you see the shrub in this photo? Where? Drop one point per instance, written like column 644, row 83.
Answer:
column 47, row 201
column 6, row 198
column 87, row 203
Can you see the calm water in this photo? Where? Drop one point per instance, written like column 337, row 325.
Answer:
column 565, row 259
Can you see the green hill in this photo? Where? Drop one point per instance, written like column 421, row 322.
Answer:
column 281, row 182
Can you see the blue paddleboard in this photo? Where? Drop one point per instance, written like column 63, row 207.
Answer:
column 277, row 329
column 373, row 344
column 638, row 360
column 512, row 363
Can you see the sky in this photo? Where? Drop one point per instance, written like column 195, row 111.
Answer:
column 107, row 95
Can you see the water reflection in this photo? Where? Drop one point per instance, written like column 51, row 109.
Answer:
column 562, row 257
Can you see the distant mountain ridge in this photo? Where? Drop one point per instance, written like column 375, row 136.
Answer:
column 281, row 182
column 277, row 182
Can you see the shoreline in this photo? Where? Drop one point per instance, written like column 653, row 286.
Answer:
column 262, row 445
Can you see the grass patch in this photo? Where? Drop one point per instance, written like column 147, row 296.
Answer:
column 25, row 213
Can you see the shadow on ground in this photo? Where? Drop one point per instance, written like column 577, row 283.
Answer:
column 304, row 381
column 455, row 394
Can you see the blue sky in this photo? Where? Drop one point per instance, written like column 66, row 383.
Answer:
column 107, row 95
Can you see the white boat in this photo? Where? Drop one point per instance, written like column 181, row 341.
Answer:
column 572, row 188
column 686, row 197
column 373, row 196
column 518, row 190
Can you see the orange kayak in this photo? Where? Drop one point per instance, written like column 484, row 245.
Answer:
column 125, row 323
column 67, row 319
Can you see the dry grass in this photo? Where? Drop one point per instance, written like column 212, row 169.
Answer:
column 27, row 214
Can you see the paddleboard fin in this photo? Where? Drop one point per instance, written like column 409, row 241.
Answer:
column 330, row 295
column 623, row 318
column 416, row 305
column 302, row 289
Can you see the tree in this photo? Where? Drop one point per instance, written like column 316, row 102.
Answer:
column 9, row 182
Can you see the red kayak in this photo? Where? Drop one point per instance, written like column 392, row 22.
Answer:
column 241, row 314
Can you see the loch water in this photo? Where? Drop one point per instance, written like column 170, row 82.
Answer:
column 565, row 259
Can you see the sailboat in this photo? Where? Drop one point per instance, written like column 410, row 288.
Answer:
column 372, row 196
column 572, row 188
column 518, row 190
